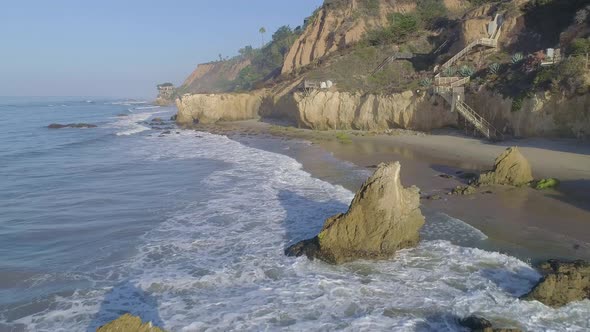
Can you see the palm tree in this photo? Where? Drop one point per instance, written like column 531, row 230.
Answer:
column 262, row 32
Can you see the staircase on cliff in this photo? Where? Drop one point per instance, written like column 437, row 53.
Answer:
column 452, row 88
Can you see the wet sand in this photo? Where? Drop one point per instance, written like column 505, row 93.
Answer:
column 529, row 224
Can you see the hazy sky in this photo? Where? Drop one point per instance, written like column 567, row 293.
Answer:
column 124, row 48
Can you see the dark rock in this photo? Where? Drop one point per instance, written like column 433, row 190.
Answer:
column 475, row 323
column 434, row 197
column 468, row 176
column 122, row 114
column 157, row 120
column 173, row 118
column 463, row 190
column 564, row 282
column 71, row 125
column 445, row 176
column 479, row 324
column 166, row 132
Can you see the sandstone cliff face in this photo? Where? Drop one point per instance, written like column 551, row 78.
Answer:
column 210, row 77
column 336, row 25
column 322, row 110
column 541, row 115
column 382, row 218
column 343, row 110
column 341, row 23
column 210, row 108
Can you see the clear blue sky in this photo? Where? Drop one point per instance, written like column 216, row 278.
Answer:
column 123, row 48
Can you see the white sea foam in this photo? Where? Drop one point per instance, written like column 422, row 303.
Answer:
column 131, row 124
column 218, row 264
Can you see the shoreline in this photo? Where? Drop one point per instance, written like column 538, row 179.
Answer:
column 523, row 222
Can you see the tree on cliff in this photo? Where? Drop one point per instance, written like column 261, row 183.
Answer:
column 262, row 32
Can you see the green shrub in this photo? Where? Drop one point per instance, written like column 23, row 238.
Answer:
column 449, row 72
column 425, row 82
column 517, row 104
column 400, row 27
column 517, row 57
column 343, row 138
column 546, row 184
column 466, row 71
column 494, row 69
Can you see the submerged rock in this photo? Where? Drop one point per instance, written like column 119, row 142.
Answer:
column 510, row 168
column 71, row 125
column 480, row 324
column 563, row 283
column 382, row 218
column 128, row 322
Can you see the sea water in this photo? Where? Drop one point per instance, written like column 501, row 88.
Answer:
column 188, row 229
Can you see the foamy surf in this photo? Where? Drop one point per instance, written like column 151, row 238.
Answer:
column 218, row 264
column 131, row 124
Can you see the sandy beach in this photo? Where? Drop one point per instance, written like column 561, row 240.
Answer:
column 530, row 224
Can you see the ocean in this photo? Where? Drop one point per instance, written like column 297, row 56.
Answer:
column 187, row 229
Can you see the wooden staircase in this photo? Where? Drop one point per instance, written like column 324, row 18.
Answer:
column 451, row 88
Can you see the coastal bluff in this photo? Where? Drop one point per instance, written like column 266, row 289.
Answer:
column 383, row 218
column 320, row 110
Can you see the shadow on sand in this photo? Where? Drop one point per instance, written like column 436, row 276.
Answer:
column 574, row 192
column 126, row 298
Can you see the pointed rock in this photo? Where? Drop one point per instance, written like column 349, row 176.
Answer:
column 128, row 322
column 510, row 168
column 382, row 218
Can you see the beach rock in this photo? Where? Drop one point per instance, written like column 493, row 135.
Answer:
column 480, row 324
column 475, row 323
column 128, row 322
column 434, row 197
column 463, row 190
column 563, row 283
column 157, row 120
column 382, row 218
column 71, row 125
column 510, row 168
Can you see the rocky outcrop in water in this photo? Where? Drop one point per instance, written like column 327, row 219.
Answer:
column 510, row 168
column 211, row 108
column 128, row 322
column 563, row 283
column 382, row 218
column 70, row 125
column 480, row 324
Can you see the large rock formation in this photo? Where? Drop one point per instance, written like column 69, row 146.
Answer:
column 321, row 110
column 128, row 322
column 382, row 218
column 210, row 108
column 563, row 283
column 325, row 110
column 340, row 23
column 542, row 114
column 510, row 168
